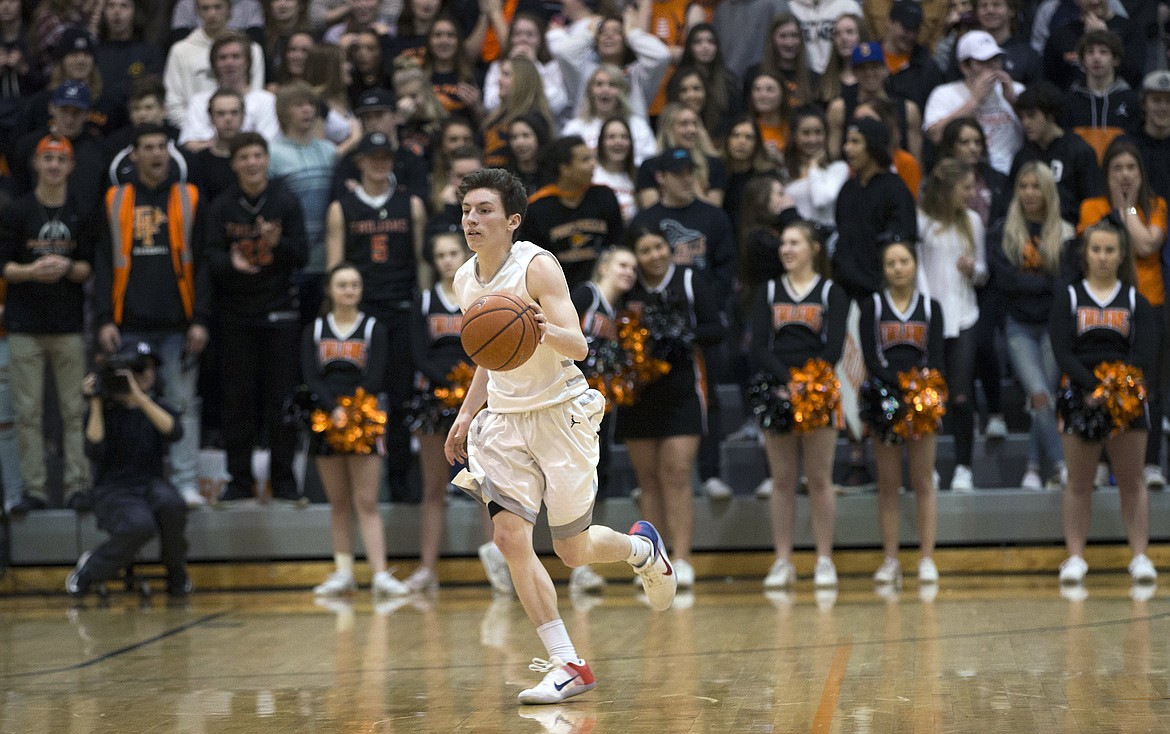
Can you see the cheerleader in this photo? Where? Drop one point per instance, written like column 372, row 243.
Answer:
column 1103, row 318
column 662, row 429
column 902, row 329
column 341, row 351
column 795, row 318
column 597, row 301
column 437, row 350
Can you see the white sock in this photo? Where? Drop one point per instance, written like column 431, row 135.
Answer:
column 344, row 563
column 641, row 549
column 556, row 640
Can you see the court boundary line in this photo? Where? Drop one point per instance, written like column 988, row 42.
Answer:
column 823, row 719
column 118, row 652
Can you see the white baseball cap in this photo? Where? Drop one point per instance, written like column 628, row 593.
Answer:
column 978, row 45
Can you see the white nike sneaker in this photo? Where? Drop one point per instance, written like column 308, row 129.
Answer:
column 889, row 573
column 496, row 569
column 1141, row 570
column 563, row 680
column 686, row 574
column 338, row 584
column 781, row 575
column 384, row 584
column 584, row 580
column 1073, row 570
column 658, row 578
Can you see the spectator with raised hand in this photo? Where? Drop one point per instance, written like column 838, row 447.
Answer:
column 813, row 181
column 1001, row 19
column 189, row 64
column 451, row 74
column 363, row 16
column 230, row 67
column 526, row 37
column 1062, row 64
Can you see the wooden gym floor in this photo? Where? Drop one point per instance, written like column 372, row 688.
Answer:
column 990, row 652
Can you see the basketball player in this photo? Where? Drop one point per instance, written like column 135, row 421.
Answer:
column 537, row 440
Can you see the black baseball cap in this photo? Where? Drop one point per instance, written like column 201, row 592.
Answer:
column 138, row 355
column 376, row 99
column 675, row 160
column 375, row 143
column 906, row 13
column 74, row 39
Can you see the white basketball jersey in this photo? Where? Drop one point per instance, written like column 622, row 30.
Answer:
column 548, row 378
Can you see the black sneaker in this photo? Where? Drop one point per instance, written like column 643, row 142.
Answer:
column 179, row 584
column 236, row 493
column 78, row 581
column 28, row 503
column 80, row 502
column 290, row 496
column 858, row 476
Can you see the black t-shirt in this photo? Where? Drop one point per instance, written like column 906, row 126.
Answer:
column 131, row 453
column 29, row 230
column 1074, row 166
column 576, row 236
column 212, row 173
column 700, row 237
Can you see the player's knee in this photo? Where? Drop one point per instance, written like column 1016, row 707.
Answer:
column 512, row 542
column 572, row 554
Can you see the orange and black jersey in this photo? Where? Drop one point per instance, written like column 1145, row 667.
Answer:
column 893, row 341
column 1086, row 331
column 337, row 363
column 598, row 316
column 434, row 334
column 379, row 240
column 788, row 329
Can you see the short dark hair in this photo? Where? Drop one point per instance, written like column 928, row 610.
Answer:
column 511, row 189
column 148, row 85
column 559, row 153
column 1108, row 39
column 147, row 129
column 244, row 140
column 228, row 38
column 220, row 93
column 1042, row 97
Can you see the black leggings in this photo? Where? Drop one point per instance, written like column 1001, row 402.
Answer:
column 960, row 376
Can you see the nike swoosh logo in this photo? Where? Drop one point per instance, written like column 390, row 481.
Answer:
column 561, row 686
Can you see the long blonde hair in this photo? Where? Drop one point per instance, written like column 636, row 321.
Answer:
column 526, row 94
column 1053, row 231
column 704, row 149
column 938, row 199
column 589, row 109
column 831, row 79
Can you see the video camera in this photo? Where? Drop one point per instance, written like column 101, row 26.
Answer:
column 111, row 384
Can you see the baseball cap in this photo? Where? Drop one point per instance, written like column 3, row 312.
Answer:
column 54, row 144
column 74, row 39
column 137, row 354
column 1157, row 81
column 72, row 93
column 907, row 14
column 978, row 45
column 375, row 143
column 375, row 99
column 675, row 160
column 868, row 53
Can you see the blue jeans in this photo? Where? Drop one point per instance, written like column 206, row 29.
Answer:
column 179, row 375
column 1035, row 365
column 9, row 454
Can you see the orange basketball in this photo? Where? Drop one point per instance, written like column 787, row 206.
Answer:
column 499, row 331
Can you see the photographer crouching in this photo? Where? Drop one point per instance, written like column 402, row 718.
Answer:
column 127, row 434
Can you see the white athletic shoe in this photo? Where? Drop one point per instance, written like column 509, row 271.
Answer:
column 781, row 575
column 927, row 572
column 686, row 574
column 1154, row 478
column 1073, row 570
column 1032, row 481
column 338, row 584
column 996, row 427
column 717, row 489
column 659, row 580
column 825, row 573
column 1102, row 479
column 496, row 569
column 764, row 489
column 563, row 680
column 585, row 580
column 889, row 573
column 384, row 584
column 1141, row 570
column 192, row 498
column 961, row 480
column 422, row 580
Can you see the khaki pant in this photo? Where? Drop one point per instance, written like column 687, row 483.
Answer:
column 65, row 353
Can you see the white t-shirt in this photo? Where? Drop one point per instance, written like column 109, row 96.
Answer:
column 1005, row 135
column 939, row 249
column 259, row 117
column 623, row 188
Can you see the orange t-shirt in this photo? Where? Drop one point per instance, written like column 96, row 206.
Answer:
column 668, row 23
column 896, row 62
column 909, row 171
column 1149, row 268
column 774, row 136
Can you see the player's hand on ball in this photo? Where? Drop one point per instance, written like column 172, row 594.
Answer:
column 541, row 321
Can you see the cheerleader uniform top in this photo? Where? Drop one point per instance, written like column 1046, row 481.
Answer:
column 789, row 328
column 337, row 362
column 1086, row 331
column 434, row 334
column 598, row 316
column 548, row 377
column 894, row 341
column 681, row 291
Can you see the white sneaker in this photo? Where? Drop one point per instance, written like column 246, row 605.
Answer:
column 1154, row 479
column 1073, row 570
column 338, row 584
column 781, row 576
column 636, row 494
column 927, row 571
column 563, row 680
column 717, row 489
column 749, row 431
column 826, row 572
column 384, row 584
column 496, row 569
column 933, row 477
column 996, row 427
column 764, row 489
column 1032, row 481
column 193, row 498
column 1141, row 570
column 961, row 480
column 585, row 580
column 889, row 573
column 659, row 580
column 1102, row 479
column 1059, row 480
column 686, row 574
column 422, row 580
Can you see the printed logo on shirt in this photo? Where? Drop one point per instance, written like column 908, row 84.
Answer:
column 799, row 314
column 148, row 221
column 441, row 325
column 339, row 350
column 912, row 334
column 689, row 245
column 1113, row 319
